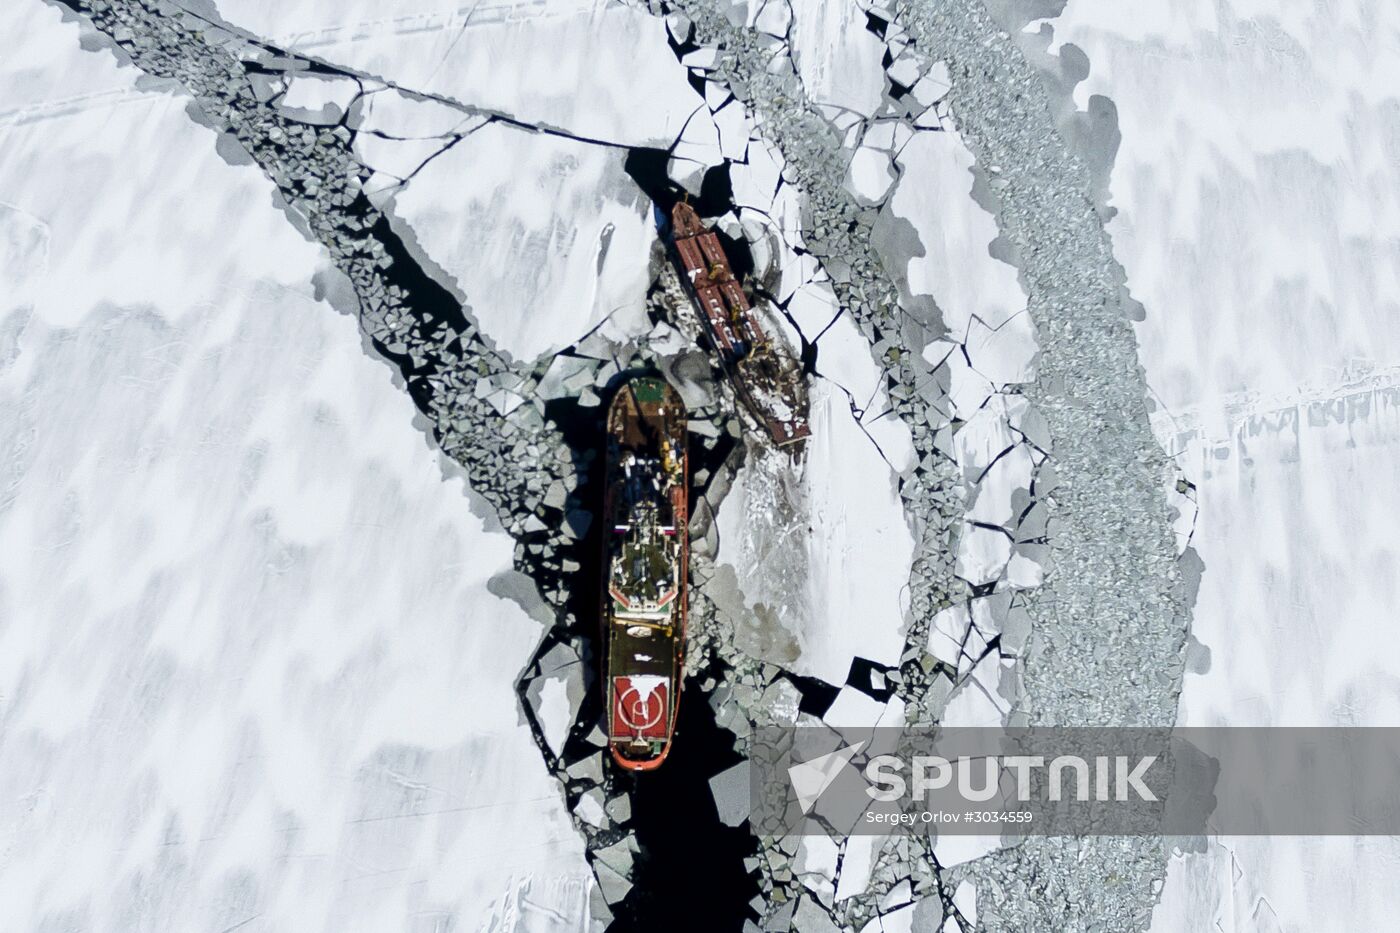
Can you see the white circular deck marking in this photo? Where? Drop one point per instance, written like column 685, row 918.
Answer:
column 638, row 712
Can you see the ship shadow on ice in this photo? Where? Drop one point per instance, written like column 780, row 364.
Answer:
column 647, row 167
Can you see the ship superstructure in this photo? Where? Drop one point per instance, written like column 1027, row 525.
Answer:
column 763, row 370
column 644, row 606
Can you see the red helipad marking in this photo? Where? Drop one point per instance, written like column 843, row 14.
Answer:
column 640, row 706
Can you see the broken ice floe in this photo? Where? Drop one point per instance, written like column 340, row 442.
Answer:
column 318, row 99
column 731, row 792
column 838, row 60
column 394, row 113
column 528, row 61
column 556, row 694
column 546, row 236
column 858, row 534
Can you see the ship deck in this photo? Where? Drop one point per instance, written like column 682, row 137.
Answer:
column 646, row 520
column 631, row 654
column 639, row 421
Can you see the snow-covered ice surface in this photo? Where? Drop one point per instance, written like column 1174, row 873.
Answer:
column 840, row 591
column 551, row 230
column 837, row 58
column 243, row 600
column 957, row 268
column 1257, row 190
column 572, row 65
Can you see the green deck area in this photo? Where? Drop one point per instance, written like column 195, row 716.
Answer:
column 649, row 390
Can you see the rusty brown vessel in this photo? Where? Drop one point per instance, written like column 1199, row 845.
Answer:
column 764, row 373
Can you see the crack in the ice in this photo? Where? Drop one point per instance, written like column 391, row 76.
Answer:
column 328, row 67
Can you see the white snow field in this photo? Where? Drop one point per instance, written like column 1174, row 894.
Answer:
column 251, row 674
column 1257, row 186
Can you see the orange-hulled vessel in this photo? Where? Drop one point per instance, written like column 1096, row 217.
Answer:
column 647, row 550
column 763, row 370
